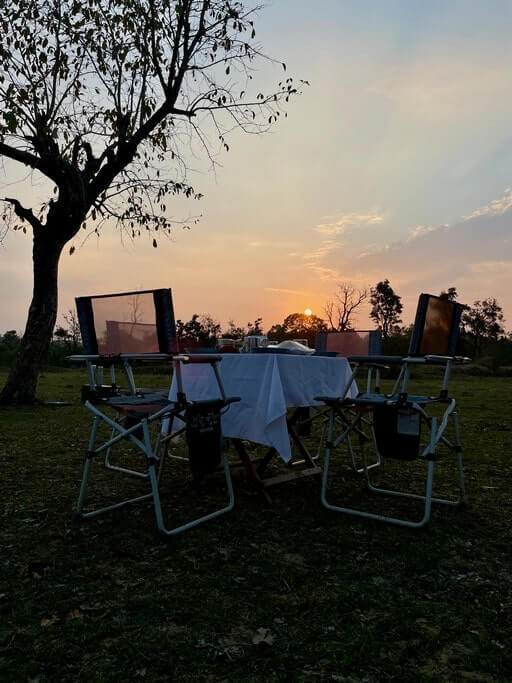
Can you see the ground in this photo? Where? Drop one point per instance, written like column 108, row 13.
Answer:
column 270, row 592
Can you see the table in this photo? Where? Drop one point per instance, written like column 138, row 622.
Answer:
column 268, row 384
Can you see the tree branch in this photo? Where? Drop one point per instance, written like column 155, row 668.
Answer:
column 23, row 213
column 19, row 155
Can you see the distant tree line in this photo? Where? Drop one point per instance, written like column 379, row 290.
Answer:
column 483, row 335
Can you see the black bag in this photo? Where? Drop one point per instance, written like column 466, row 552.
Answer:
column 397, row 431
column 204, row 437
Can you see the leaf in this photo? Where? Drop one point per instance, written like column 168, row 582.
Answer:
column 12, row 124
column 155, row 243
column 72, row 251
column 75, row 614
column 45, row 622
column 263, row 637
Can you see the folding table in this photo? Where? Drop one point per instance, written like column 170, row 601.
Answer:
column 268, row 384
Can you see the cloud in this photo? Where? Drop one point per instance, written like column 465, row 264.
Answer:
column 494, row 268
column 421, row 230
column 442, row 85
column 271, row 244
column 494, row 208
column 278, row 290
column 339, row 226
column 474, row 254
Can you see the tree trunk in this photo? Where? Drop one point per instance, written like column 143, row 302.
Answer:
column 22, row 381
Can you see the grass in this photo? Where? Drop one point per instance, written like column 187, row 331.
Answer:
column 270, row 592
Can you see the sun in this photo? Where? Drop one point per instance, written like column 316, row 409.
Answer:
column 308, row 312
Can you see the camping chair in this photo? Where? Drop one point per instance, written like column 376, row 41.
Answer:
column 355, row 343
column 109, row 340
column 117, row 331
column 398, row 417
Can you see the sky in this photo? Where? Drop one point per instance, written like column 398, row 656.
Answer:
column 396, row 162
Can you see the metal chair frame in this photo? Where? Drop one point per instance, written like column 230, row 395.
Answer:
column 428, row 454
column 154, row 460
column 111, row 340
column 400, row 399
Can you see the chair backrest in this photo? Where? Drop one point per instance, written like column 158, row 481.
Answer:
column 350, row 343
column 436, row 326
column 128, row 322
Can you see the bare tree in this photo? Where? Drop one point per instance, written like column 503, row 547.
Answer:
column 340, row 310
column 103, row 99
column 74, row 332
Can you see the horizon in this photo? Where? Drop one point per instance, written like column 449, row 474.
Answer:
column 396, row 162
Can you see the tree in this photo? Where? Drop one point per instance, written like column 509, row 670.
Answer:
column 234, row 331
column 483, row 322
column 102, row 100
column 298, row 326
column 341, row 309
column 9, row 346
column 73, row 329
column 386, row 308
column 200, row 330
column 256, row 327
column 449, row 295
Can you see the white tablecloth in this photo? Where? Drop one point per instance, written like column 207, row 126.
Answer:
column 268, row 384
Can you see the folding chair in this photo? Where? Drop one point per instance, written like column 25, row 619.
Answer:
column 117, row 331
column 350, row 342
column 398, row 417
column 357, row 343
column 110, row 338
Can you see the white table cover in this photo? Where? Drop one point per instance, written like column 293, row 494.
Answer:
column 268, row 384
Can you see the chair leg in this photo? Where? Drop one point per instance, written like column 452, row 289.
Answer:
column 87, row 465
column 428, row 498
column 460, row 465
column 85, row 477
column 188, row 525
column 381, row 518
column 118, row 468
column 365, row 467
column 154, row 471
column 433, row 440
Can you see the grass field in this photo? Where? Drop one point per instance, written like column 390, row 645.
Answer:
column 270, row 592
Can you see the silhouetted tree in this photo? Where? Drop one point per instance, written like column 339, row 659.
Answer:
column 102, row 99
column 234, row 331
column 483, row 322
column 449, row 295
column 386, row 308
column 9, row 345
column 200, row 330
column 255, row 327
column 341, row 308
column 298, row 326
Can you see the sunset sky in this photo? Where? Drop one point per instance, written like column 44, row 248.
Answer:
column 395, row 163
